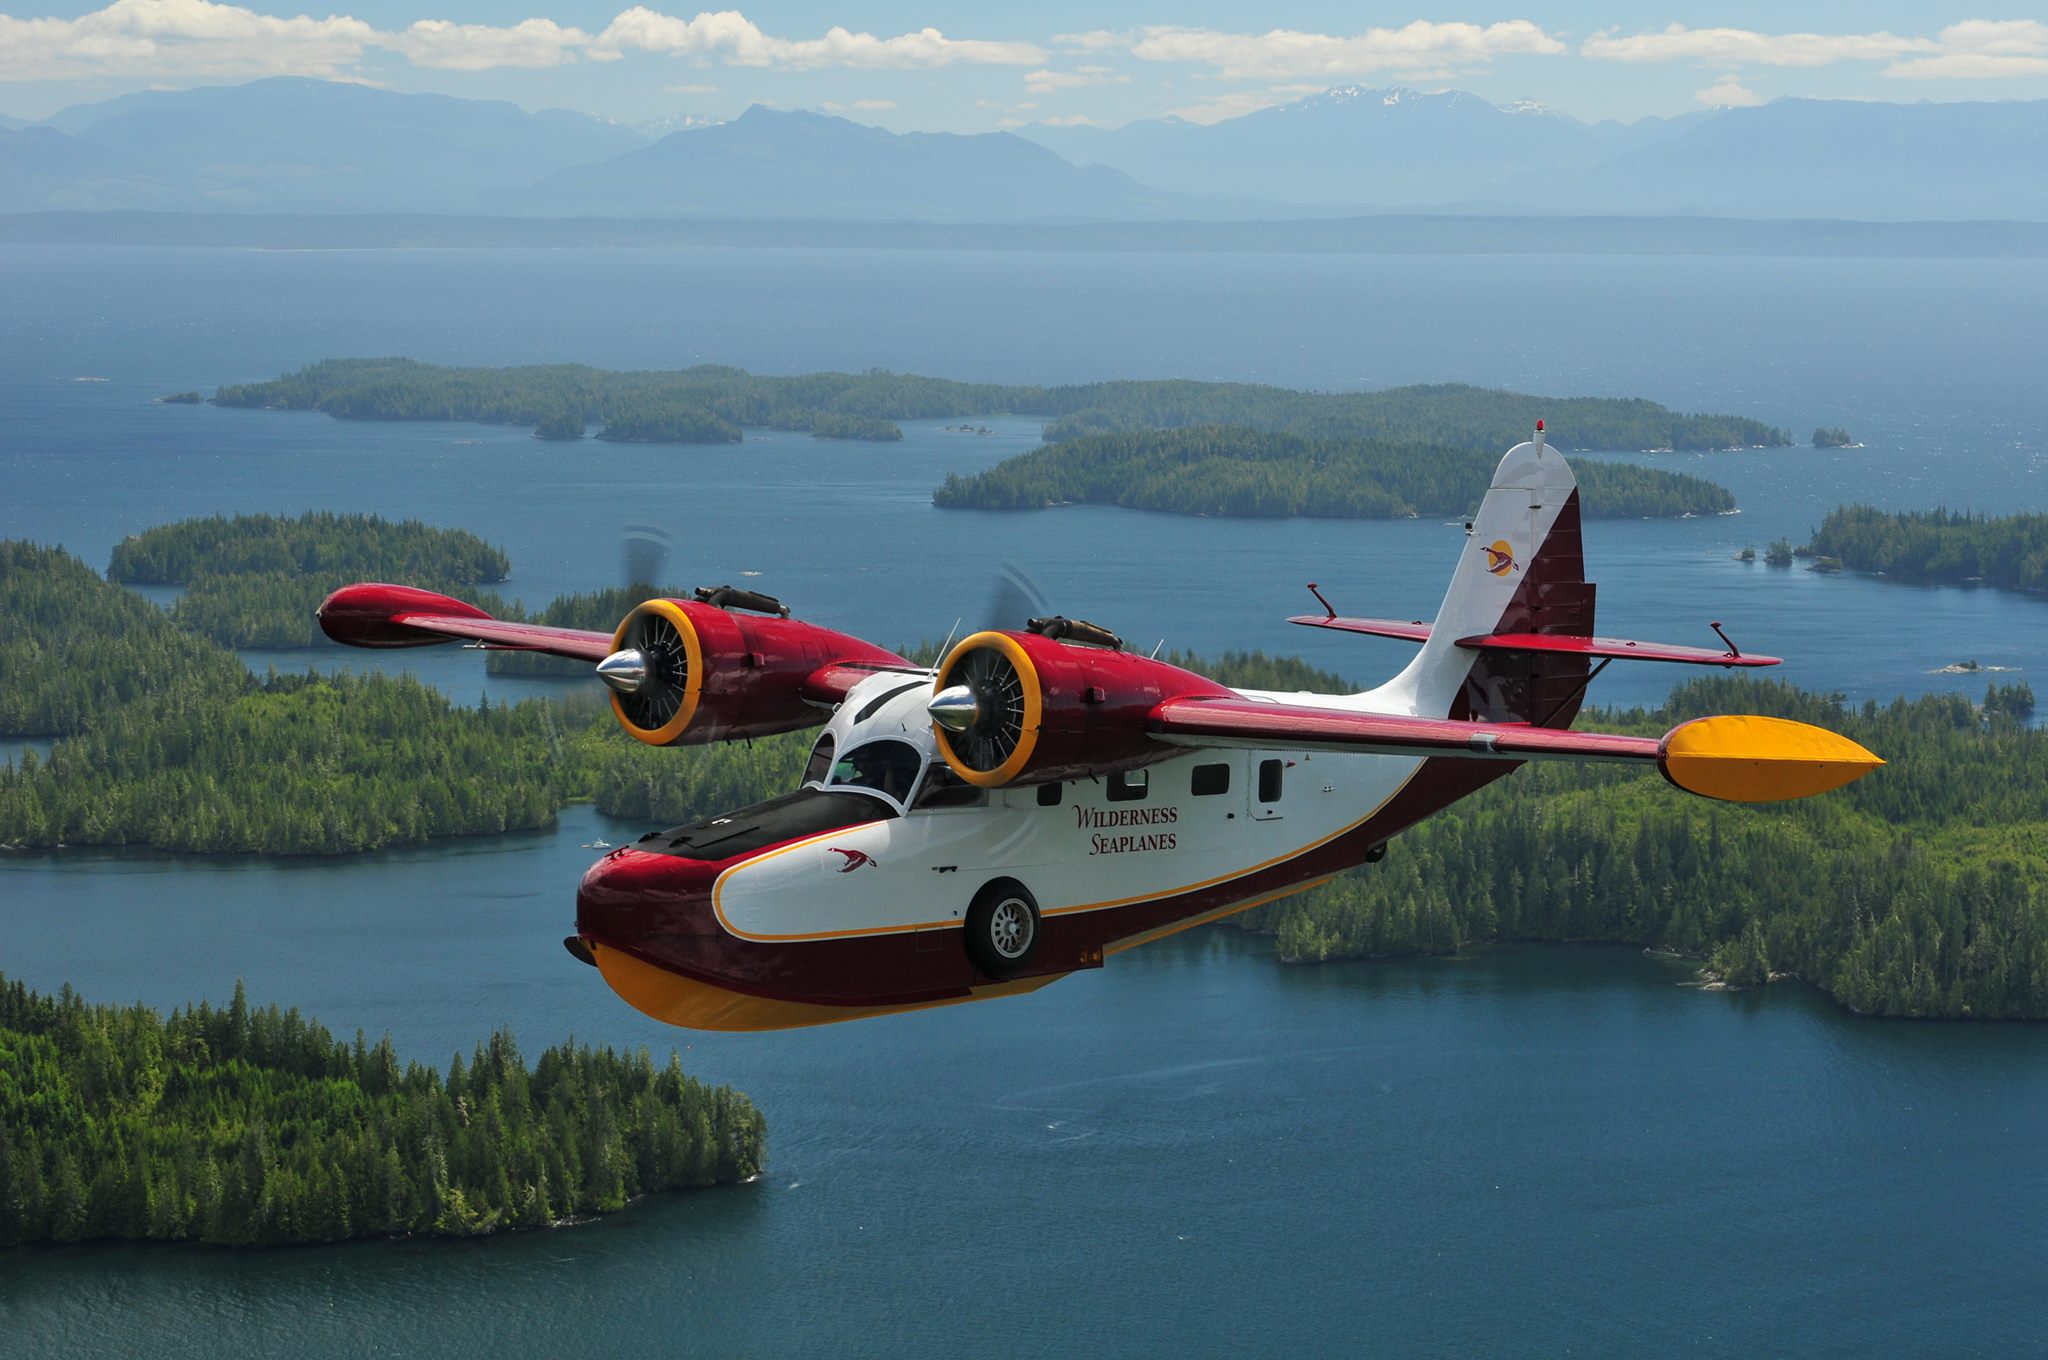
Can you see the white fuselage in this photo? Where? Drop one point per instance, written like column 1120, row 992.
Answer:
column 1085, row 845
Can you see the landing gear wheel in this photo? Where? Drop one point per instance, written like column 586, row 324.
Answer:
column 1002, row 928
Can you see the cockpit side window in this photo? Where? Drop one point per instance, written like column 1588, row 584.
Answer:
column 944, row 789
column 887, row 766
column 820, row 763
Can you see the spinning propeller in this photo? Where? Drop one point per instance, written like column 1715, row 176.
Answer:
column 980, row 700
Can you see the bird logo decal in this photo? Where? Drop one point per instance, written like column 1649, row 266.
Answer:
column 855, row 859
column 1500, row 558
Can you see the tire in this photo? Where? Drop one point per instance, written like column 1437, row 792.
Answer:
column 1002, row 928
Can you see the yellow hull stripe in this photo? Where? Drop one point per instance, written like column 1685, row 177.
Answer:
column 677, row 1000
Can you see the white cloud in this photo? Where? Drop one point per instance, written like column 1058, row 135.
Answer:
column 874, row 105
column 157, row 38
column 1073, row 120
column 1728, row 92
column 1974, row 49
column 1050, row 82
column 694, row 88
column 1216, row 108
column 1744, row 47
column 737, row 40
column 483, row 47
column 1095, row 40
column 1982, row 49
column 1287, row 54
column 1968, row 66
column 169, row 39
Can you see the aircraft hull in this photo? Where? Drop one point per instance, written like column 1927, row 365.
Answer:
column 869, row 918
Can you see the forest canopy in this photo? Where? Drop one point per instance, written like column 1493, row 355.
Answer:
column 1938, row 545
column 1233, row 471
column 712, row 403
column 255, row 580
column 258, row 1126
column 1922, row 890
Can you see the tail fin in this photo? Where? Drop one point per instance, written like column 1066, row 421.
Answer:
column 1522, row 572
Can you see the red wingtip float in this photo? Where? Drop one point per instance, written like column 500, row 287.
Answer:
column 1043, row 799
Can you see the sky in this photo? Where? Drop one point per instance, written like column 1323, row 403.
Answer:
column 956, row 67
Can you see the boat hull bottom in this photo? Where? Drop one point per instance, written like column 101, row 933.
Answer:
column 673, row 999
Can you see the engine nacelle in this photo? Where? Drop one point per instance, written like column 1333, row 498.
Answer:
column 711, row 675
column 1027, row 709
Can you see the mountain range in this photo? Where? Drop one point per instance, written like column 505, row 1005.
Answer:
column 295, row 145
column 1404, row 149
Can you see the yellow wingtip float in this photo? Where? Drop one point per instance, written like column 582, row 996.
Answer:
column 1745, row 758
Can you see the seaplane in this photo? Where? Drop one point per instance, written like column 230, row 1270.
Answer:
column 1043, row 799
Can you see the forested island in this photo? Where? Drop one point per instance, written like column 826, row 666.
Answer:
column 1937, row 546
column 255, row 580
column 254, row 1126
column 170, row 742
column 1234, row 471
column 1833, row 437
column 712, row 404
column 1920, row 892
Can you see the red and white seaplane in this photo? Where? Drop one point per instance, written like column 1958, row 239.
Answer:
column 1043, row 799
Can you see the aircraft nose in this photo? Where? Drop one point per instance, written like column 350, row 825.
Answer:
column 633, row 897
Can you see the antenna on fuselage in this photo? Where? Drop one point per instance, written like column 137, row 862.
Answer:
column 947, row 645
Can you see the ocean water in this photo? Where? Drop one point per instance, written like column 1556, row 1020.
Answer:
column 1927, row 362
column 1194, row 1150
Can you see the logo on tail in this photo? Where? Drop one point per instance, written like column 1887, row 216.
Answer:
column 1500, row 558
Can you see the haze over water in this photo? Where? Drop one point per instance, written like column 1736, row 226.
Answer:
column 1194, row 1149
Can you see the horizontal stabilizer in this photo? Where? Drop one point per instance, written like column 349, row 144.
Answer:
column 1415, row 631
column 1615, row 649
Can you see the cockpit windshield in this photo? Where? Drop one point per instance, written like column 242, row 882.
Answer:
column 888, row 767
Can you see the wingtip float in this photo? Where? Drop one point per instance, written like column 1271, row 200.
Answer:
column 1043, row 799
column 1745, row 758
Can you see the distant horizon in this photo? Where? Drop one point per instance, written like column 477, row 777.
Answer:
column 663, row 125
column 954, row 67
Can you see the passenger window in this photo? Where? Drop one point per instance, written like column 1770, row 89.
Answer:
column 820, row 763
column 1269, row 780
column 1049, row 794
column 1209, row 779
column 944, row 789
column 1128, row 786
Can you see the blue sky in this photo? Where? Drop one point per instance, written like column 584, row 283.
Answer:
column 962, row 67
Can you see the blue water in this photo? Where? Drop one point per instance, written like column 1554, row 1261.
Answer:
column 1195, row 1150
column 1192, row 1151
column 1928, row 362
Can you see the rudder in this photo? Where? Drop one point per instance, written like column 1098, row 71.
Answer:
column 1522, row 571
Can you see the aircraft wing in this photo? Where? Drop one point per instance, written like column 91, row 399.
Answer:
column 1739, row 758
column 575, row 643
column 820, row 667
column 375, row 614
